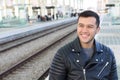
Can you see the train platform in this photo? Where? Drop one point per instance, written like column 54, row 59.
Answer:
column 17, row 32
column 30, row 24
column 109, row 34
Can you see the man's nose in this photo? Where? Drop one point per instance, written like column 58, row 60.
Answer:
column 84, row 29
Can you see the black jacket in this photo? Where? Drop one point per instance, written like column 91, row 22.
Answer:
column 70, row 63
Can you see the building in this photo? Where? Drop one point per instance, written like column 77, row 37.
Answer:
column 25, row 9
column 114, row 8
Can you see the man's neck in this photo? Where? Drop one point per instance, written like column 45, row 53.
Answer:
column 87, row 45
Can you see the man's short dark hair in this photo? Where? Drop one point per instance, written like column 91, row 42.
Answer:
column 89, row 13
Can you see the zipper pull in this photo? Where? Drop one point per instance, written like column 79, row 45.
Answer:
column 103, row 68
column 84, row 73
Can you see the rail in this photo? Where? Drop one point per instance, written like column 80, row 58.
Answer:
column 26, row 40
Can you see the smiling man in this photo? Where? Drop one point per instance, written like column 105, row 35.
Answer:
column 84, row 58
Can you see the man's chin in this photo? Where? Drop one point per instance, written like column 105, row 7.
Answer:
column 83, row 41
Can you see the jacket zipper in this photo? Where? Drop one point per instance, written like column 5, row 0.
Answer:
column 84, row 73
column 103, row 69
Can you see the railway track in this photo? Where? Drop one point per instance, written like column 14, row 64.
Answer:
column 4, row 45
column 37, row 51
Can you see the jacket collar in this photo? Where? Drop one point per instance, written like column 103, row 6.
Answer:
column 77, row 46
column 98, row 47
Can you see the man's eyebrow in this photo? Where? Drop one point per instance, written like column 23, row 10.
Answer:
column 90, row 24
column 79, row 23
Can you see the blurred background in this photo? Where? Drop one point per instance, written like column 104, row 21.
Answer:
column 23, row 11
column 16, row 14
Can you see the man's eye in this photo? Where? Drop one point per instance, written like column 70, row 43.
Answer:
column 90, row 26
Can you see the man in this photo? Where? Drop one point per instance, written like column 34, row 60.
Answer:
column 84, row 58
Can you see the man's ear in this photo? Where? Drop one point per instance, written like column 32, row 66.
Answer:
column 98, row 29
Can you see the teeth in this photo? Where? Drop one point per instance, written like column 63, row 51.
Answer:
column 84, row 35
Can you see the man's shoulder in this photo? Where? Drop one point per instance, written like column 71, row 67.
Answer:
column 66, row 48
column 106, row 49
column 74, row 44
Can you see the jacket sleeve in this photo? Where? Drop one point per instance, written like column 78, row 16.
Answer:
column 113, row 74
column 57, row 69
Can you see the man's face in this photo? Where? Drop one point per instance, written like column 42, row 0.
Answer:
column 87, row 29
